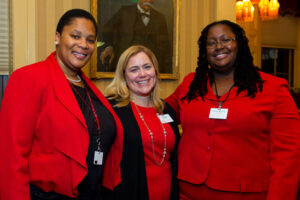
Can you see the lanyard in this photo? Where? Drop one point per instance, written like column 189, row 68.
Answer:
column 221, row 102
column 91, row 107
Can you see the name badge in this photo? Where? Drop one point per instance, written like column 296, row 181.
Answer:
column 218, row 113
column 166, row 118
column 98, row 158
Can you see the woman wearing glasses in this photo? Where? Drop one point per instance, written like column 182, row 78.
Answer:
column 240, row 126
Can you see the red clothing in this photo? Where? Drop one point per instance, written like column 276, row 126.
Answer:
column 158, row 177
column 255, row 149
column 192, row 192
column 44, row 137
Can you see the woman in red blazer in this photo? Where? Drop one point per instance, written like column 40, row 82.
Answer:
column 240, row 126
column 56, row 126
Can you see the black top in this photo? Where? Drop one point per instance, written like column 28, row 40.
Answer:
column 89, row 186
column 133, row 172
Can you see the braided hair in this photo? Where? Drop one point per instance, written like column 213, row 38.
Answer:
column 246, row 75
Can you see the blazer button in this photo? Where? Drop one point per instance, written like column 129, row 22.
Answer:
column 208, row 148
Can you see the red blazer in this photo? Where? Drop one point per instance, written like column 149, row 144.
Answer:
column 255, row 149
column 44, row 137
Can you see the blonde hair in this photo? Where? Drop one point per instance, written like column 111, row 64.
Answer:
column 118, row 89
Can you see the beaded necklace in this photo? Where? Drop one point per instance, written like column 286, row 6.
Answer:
column 151, row 136
column 73, row 80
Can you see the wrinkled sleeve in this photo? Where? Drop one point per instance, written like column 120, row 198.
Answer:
column 176, row 97
column 18, row 118
column 284, row 147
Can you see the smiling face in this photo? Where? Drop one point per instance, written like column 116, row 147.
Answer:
column 221, row 57
column 140, row 75
column 76, row 44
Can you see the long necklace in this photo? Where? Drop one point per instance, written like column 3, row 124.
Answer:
column 73, row 80
column 218, row 97
column 98, row 154
column 151, row 136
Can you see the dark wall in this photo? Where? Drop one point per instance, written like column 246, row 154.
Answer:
column 289, row 7
column 3, row 82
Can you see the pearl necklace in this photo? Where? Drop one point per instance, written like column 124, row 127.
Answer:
column 151, row 136
column 75, row 81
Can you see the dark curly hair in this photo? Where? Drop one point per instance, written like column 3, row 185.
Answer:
column 246, row 75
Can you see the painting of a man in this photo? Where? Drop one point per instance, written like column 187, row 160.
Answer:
column 133, row 24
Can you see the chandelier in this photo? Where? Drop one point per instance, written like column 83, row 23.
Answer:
column 268, row 9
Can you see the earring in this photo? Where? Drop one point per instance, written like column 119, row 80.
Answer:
column 209, row 67
column 55, row 42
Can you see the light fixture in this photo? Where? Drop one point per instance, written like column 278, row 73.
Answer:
column 273, row 9
column 239, row 10
column 264, row 9
column 268, row 9
column 255, row 1
column 244, row 10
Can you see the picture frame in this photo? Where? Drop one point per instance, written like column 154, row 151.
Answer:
column 107, row 14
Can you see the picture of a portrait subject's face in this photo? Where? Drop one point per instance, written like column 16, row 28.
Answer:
column 146, row 4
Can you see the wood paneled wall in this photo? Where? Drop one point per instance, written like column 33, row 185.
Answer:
column 48, row 14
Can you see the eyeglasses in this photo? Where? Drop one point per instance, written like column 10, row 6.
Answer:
column 212, row 44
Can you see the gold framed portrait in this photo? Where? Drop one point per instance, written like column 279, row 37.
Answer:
column 123, row 23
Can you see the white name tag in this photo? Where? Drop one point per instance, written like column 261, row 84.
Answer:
column 98, row 158
column 166, row 118
column 218, row 113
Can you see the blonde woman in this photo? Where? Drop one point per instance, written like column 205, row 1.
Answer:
column 150, row 138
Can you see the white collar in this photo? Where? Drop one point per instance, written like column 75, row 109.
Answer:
column 141, row 10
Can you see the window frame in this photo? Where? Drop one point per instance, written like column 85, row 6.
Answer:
column 291, row 61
